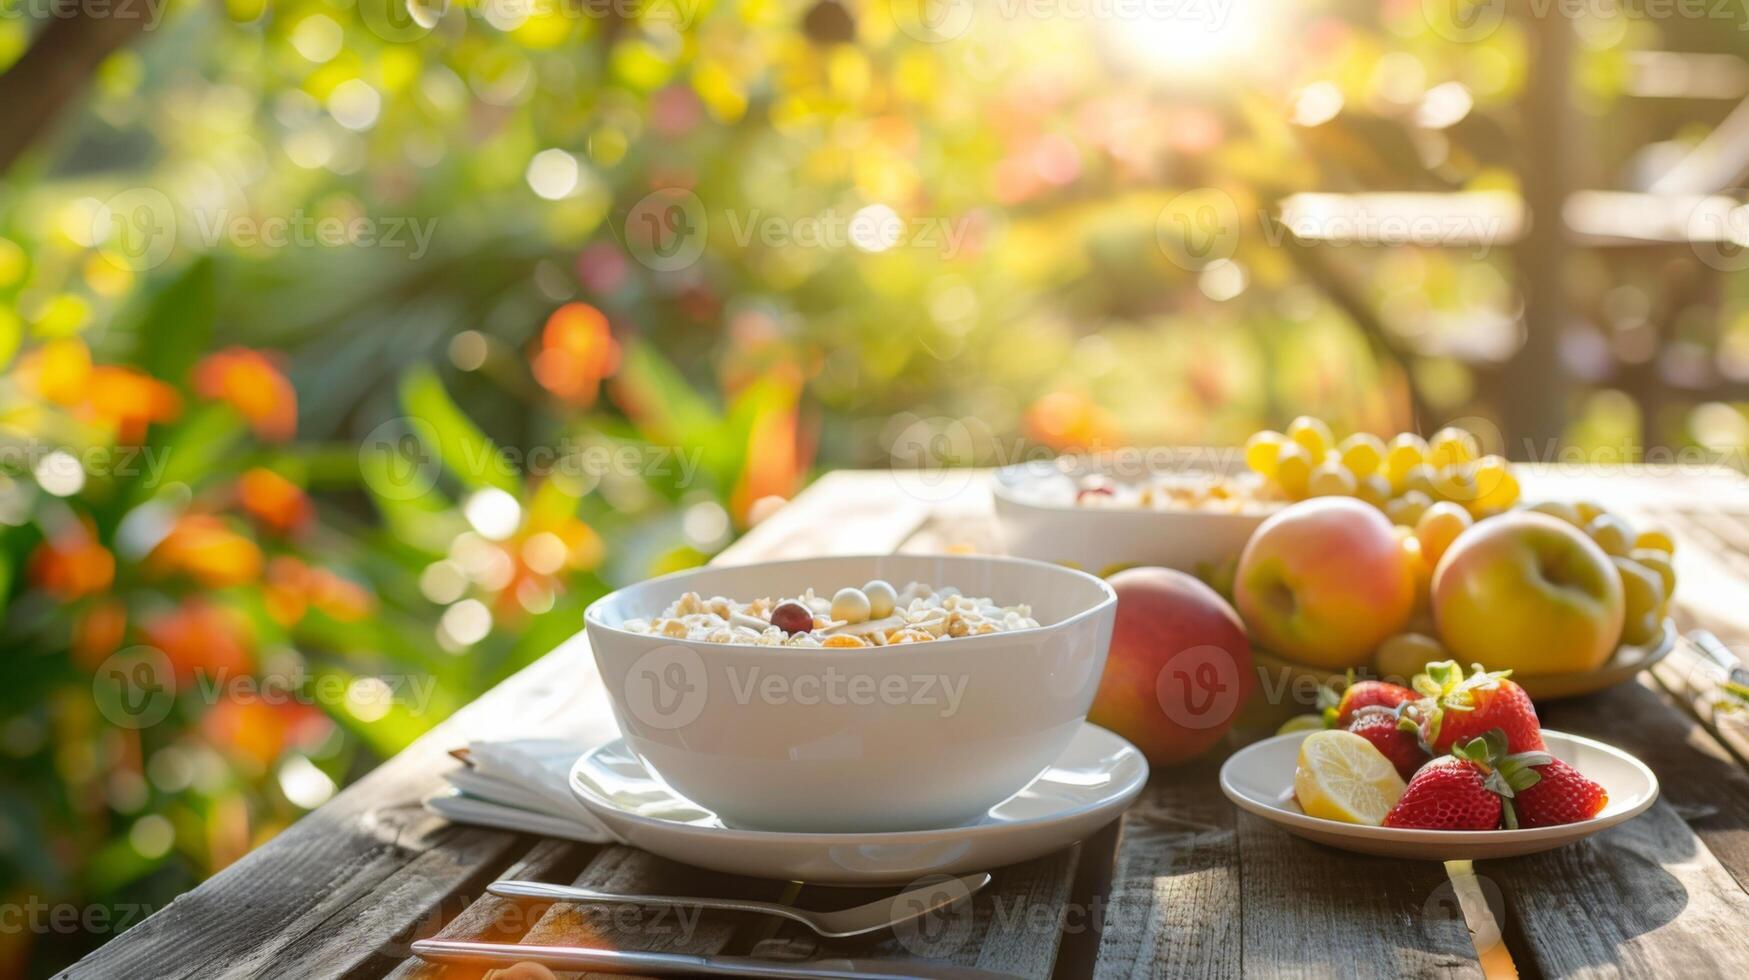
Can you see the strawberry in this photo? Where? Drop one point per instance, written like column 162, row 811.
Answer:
column 1457, row 709
column 1367, row 694
column 1470, row 789
column 1559, row 795
column 1380, row 726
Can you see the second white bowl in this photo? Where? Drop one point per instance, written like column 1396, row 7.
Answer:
column 1052, row 527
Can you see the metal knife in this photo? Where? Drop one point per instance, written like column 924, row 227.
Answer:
column 1737, row 677
column 686, row 964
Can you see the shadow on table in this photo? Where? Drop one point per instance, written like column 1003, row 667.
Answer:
column 1582, row 906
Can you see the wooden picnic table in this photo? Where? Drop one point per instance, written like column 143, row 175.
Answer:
column 1183, row 885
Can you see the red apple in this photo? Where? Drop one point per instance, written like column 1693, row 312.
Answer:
column 1324, row 582
column 1179, row 667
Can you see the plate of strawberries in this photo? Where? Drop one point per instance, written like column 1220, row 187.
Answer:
column 1454, row 767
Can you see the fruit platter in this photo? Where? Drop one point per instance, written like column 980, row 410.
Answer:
column 1362, row 555
column 1455, row 767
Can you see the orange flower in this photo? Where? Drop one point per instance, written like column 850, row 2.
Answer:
column 198, row 636
column 273, row 500
column 59, row 371
column 775, row 456
column 250, row 382
column 130, row 401
column 98, row 632
column 577, row 351
column 205, row 548
column 293, row 587
column 122, row 398
column 1068, row 421
column 257, row 732
column 340, row 598
column 286, row 591
column 70, row 563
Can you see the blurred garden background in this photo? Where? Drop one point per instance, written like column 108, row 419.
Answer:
column 351, row 347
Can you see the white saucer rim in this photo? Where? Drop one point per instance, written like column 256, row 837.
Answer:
column 1117, row 800
column 1453, row 837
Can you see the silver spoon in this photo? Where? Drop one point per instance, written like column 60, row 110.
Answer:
column 877, row 915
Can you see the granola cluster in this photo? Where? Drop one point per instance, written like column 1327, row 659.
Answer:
column 874, row 615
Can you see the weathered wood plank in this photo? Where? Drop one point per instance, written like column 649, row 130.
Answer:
column 334, row 940
column 1644, row 899
column 849, row 512
column 1308, row 910
column 1661, row 895
column 1174, row 906
column 497, row 920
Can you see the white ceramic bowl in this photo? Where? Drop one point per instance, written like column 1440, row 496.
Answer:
column 909, row 737
column 1036, row 522
column 1260, row 778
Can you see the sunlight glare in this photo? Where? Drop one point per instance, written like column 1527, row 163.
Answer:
column 1192, row 38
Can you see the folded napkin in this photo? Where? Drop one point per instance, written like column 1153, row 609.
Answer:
column 516, row 770
column 522, row 785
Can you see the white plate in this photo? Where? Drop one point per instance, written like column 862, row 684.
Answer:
column 1088, row 785
column 1260, row 778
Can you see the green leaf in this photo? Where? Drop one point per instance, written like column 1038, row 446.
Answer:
column 727, row 456
column 465, row 451
column 666, row 408
column 6, row 571
column 1494, row 742
column 192, row 451
column 176, row 325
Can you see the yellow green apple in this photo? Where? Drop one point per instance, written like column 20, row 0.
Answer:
column 1323, row 582
column 1528, row 592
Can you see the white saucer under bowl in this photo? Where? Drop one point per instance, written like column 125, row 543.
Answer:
column 1088, row 785
column 1260, row 778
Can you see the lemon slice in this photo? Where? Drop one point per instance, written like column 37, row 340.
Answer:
column 1343, row 777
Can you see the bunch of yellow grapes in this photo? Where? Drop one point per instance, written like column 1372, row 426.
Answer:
column 1402, row 477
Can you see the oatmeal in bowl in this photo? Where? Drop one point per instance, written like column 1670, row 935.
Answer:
column 853, row 694
column 875, row 614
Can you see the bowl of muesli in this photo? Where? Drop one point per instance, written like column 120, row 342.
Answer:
column 852, row 694
column 1111, row 511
